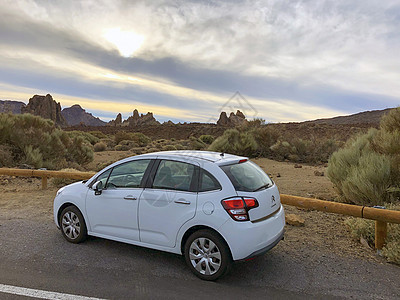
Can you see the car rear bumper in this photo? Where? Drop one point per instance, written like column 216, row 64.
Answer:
column 248, row 239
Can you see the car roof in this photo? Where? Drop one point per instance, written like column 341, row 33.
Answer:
column 215, row 157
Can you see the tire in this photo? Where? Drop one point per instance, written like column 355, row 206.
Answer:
column 72, row 224
column 207, row 255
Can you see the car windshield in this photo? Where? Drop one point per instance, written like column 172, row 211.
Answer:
column 247, row 176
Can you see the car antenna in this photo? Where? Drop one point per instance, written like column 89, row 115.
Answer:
column 222, row 154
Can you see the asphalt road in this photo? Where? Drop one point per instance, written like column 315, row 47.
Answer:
column 33, row 254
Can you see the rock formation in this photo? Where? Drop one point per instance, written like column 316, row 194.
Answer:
column 9, row 106
column 233, row 119
column 116, row 122
column 76, row 115
column 135, row 120
column 45, row 107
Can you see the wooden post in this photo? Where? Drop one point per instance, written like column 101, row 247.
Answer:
column 44, row 182
column 380, row 234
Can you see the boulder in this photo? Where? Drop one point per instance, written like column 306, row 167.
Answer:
column 45, row 107
column 294, row 220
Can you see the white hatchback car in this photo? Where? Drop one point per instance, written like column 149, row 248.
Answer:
column 213, row 208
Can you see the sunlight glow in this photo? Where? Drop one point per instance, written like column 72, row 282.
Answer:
column 127, row 42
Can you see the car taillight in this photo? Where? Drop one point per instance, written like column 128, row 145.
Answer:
column 238, row 207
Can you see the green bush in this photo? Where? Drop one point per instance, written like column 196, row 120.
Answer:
column 99, row 147
column 207, row 139
column 366, row 171
column 391, row 121
column 6, row 156
column 37, row 141
column 169, row 148
column 139, row 138
column 98, row 134
column 235, row 142
column 265, row 136
column 196, row 144
column 88, row 137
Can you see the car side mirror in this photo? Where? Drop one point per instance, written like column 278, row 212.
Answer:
column 98, row 188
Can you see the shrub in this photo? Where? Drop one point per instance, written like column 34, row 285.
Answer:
column 90, row 138
column 99, row 147
column 37, row 141
column 196, row 144
column 235, row 142
column 207, row 139
column 391, row 121
column 6, row 157
column 365, row 171
column 98, row 134
column 138, row 137
column 265, row 137
column 168, row 148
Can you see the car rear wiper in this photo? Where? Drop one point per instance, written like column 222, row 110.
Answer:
column 265, row 186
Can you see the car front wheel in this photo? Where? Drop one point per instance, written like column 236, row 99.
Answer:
column 73, row 225
column 207, row 255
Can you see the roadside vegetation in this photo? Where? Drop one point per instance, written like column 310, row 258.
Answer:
column 31, row 140
column 366, row 171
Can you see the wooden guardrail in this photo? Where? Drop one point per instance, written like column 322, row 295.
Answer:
column 45, row 174
column 381, row 216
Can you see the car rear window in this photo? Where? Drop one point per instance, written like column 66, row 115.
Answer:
column 247, row 176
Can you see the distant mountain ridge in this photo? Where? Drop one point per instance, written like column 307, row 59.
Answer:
column 76, row 115
column 10, row 106
column 366, row 117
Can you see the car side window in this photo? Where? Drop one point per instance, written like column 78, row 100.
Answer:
column 174, row 175
column 128, row 175
column 103, row 177
column 208, row 182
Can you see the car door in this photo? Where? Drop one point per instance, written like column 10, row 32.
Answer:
column 167, row 202
column 113, row 213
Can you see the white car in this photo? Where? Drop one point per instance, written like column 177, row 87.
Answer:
column 213, row 208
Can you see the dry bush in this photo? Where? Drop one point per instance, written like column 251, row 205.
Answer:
column 6, row 156
column 169, row 148
column 235, row 142
column 207, row 139
column 139, row 138
column 99, row 147
column 367, row 170
column 98, row 134
column 196, row 144
column 37, row 141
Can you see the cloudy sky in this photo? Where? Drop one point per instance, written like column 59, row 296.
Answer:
column 185, row 60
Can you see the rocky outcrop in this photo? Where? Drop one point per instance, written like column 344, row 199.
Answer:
column 135, row 120
column 9, row 106
column 45, row 107
column 116, row 122
column 76, row 115
column 142, row 120
column 233, row 119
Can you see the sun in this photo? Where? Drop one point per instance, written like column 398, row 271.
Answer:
column 127, row 42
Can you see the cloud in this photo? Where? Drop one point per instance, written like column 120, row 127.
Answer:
column 335, row 56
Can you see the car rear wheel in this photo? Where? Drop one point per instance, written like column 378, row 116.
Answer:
column 73, row 225
column 207, row 255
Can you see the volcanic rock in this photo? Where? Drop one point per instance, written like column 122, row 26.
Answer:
column 45, row 107
column 136, row 120
column 76, row 115
column 116, row 122
column 294, row 220
column 233, row 119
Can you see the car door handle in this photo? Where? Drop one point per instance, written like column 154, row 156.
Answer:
column 182, row 201
column 130, row 197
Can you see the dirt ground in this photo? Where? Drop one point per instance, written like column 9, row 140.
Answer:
column 326, row 233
